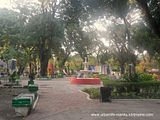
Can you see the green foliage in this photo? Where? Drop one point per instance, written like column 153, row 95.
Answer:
column 138, row 77
column 30, row 33
column 93, row 92
column 145, row 39
column 60, row 75
column 11, row 37
column 103, row 77
column 147, row 36
column 38, row 31
column 75, row 62
column 75, row 15
column 129, row 90
column 146, row 77
column 107, row 80
column 133, row 78
column 149, row 89
column 14, row 77
column 151, row 10
column 120, row 7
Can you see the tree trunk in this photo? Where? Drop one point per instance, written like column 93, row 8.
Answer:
column 65, row 59
column 30, row 67
column 127, row 33
column 20, row 70
column 44, row 58
column 43, row 66
column 122, row 68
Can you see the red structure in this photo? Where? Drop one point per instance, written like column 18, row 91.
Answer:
column 87, row 81
column 50, row 69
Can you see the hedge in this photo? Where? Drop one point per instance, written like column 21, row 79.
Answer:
column 150, row 89
column 129, row 90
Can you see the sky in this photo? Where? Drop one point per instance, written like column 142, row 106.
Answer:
column 5, row 3
column 9, row 3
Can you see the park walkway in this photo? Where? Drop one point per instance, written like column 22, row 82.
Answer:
column 59, row 100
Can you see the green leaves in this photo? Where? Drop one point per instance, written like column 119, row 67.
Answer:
column 120, row 8
column 145, row 39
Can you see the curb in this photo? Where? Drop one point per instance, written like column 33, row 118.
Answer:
column 88, row 97
column 137, row 99
column 35, row 103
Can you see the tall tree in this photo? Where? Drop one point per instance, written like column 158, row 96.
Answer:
column 151, row 9
column 148, row 33
column 44, row 31
column 11, row 38
column 75, row 16
column 47, row 32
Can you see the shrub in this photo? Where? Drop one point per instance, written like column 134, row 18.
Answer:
column 133, row 78
column 129, row 90
column 13, row 77
column 155, row 76
column 146, row 77
column 144, row 89
column 138, row 77
column 105, row 79
column 93, row 92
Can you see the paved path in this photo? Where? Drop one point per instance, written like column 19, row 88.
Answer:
column 59, row 100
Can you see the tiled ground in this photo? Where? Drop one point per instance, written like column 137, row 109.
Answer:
column 59, row 100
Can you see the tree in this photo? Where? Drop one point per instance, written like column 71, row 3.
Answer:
column 47, row 31
column 75, row 62
column 148, row 32
column 119, row 45
column 11, row 38
column 74, row 15
column 33, row 32
column 151, row 9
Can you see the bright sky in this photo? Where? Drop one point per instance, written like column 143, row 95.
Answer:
column 102, row 26
column 9, row 3
column 5, row 3
column 99, row 26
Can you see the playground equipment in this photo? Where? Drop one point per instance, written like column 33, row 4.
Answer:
column 83, row 78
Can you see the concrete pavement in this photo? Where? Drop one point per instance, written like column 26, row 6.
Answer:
column 59, row 100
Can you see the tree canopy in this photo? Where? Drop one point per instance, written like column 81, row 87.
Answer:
column 34, row 32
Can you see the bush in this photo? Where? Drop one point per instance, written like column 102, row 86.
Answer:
column 93, row 92
column 146, row 77
column 133, row 78
column 129, row 90
column 13, row 77
column 138, row 77
column 140, row 85
column 105, row 79
column 144, row 89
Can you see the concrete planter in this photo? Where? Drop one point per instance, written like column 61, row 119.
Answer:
column 30, row 95
column 22, row 111
column 33, row 88
column 23, row 103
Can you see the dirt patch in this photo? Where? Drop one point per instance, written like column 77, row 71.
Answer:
column 6, row 95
